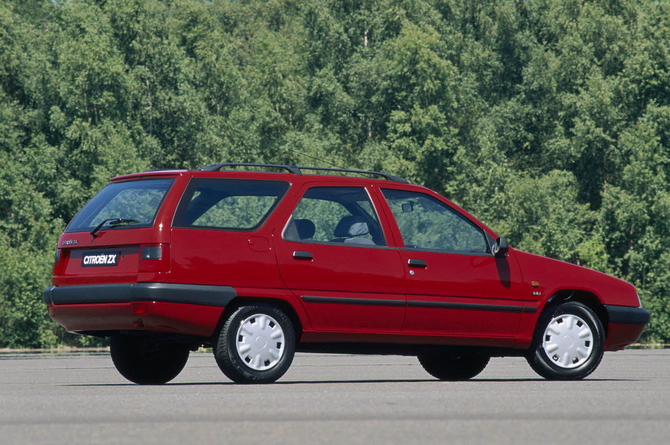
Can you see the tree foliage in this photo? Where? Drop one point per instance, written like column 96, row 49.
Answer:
column 548, row 119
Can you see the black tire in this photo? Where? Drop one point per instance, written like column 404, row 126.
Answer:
column 453, row 367
column 147, row 361
column 568, row 344
column 256, row 344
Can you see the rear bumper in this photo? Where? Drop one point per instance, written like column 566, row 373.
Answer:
column 130, row 292
column 155, row 307
column 625, row 326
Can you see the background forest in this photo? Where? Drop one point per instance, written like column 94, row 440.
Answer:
column 547, row 119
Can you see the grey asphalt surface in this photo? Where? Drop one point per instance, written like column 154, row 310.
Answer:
column 334, row 399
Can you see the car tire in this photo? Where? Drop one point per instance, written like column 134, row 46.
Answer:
column 453, row 367
column 569, row 342
column 147, row 361
column 256, row 344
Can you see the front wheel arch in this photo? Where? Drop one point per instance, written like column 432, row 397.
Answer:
column 586, row 298
column 568, row 342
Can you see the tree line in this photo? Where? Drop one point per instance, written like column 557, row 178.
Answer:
column 547, row 119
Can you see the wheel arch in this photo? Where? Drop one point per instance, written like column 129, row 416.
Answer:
column 284, row 305
column 545, row 362
column 588, row 299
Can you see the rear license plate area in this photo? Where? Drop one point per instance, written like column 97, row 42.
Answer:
column 104, row 258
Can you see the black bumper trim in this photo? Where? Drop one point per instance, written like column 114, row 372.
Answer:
column 354, row 301
column 419, row 304
column 465, row 306
column 627, row 315
column 130, row 292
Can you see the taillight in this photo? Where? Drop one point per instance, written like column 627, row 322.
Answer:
column 58, row 262
column 154, row 258
column 151, row 252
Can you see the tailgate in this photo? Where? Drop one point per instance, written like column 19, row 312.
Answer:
column 118, row 236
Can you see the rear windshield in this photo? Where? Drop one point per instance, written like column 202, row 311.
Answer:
column 228, row 204
column 135, row 203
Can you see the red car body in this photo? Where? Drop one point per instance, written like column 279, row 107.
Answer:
column 339, row 296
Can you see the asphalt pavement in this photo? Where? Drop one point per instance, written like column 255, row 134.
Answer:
column 334, row 399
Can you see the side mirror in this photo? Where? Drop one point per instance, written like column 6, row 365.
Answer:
column 500, row 248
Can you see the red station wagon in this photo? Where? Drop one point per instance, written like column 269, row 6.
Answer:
column 261, row 264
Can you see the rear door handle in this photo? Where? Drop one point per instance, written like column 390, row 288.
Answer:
column 414, row 262
column 302, row 255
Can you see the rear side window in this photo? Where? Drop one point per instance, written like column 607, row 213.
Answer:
column 134, row 202
column 228, row 204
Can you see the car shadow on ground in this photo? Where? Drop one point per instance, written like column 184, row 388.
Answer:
column 358, row 382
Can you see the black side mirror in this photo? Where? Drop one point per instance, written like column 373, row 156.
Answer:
column 500, row 248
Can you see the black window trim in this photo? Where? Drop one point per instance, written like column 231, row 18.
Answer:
column 327, row 243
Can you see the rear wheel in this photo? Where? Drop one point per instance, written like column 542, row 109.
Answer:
column 569, row 343
column 453, row 367
column 256, row 344
column 147, row 361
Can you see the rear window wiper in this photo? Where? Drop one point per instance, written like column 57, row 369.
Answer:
column 112, row 222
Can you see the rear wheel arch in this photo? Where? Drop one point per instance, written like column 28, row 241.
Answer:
column 283, row 305
column 256, row 343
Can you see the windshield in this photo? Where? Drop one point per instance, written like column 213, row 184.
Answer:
column 134, row 203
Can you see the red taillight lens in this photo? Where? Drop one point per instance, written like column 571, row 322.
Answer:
column 59, row 261
column 154, row 258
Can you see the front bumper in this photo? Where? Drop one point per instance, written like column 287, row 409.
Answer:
column 627, row 315
column 625, row 326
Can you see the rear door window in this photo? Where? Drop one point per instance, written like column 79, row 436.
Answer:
column 134, row 203
column 228, row 204
column 335, row 215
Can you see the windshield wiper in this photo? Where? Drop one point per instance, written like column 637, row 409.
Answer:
column 113, row 222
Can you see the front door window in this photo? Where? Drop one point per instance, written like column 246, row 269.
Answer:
column 426, row 223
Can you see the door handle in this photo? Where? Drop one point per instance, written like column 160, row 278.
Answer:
column 302, row 255
column 413, row 262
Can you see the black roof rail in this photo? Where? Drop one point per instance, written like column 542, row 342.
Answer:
column 386, row 176
column 298, row 170
column 219, row 166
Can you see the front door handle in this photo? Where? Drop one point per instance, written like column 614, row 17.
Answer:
column 413, row 262
column 302, row 255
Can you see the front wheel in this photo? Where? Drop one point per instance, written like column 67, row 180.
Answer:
column 256, row 344
column 147, row 361
column 569, row 343
column 454, row 367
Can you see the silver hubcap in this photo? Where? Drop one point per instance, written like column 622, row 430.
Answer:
column 568, row 341
column 260, row 342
